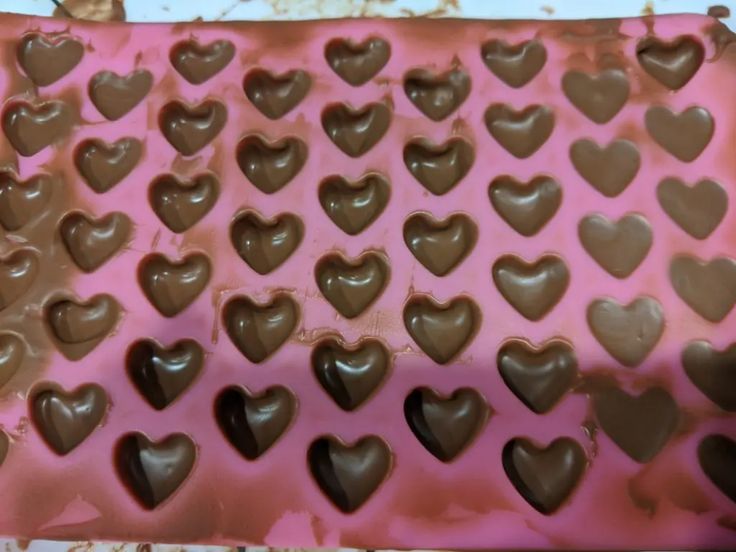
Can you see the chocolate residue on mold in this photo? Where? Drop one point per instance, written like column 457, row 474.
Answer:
column 92, row 10
column 719, row 12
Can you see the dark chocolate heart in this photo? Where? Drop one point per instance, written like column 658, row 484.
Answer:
column 526, row 207
column 685, row 135
column 47, row 58
column 712, row 371
column 438, row 167
column 276, row 95
column 91, row 242
column 355, row 131
column 18, row 272
column 698, row 210
column 32, row 127
column 440, row 245
column 600, row 96
column 189, row 128
column 357, row 63
column 717, row 458
column 353, row 206
column 171, row 286
column 12, row 353
column 674, row 62
column 180, row 204
column 265, row 244
column 619, row 246
column 79, row 326
column 104, row 165
column 200, row 62
column 437, row 95
column 708, row 287
column 271, row 165
column 21, row 201
column 515, row 64
column 115, row 96
column 521, row 133
column 609, row 169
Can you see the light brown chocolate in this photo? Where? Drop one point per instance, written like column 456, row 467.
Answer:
column 357, row 62
column 685, row 135
column 619, row 247
column 354, row 206
column 271, row 165
column 115, row 96
column 47, row 58
column 598, row 96
column 708, row 287
column 30, row 127
column 356, row 130
column 697, row 209
column 438, row 167
column 18, row 272
column 609, row 169
column 79, row 326
column 197, row 62
column 673, row 63
column 104, row 165
column 440, row 245
column 182, row 203
column 93, row 241
column 437, row 95
column 12, row 353
column 523, row 132
column 171, row 286
column 265, row 244
column 189, row 128
column 514, row 64
column 525, row 206
column 23, row 201
column 276, row 95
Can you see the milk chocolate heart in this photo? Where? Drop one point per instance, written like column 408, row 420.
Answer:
column 599, row 96
column 609, row 169
column 521, row 133
column 438, row 167
column 12, row 353
column 437, row 95
column 357, row 62
column 65, row 419
column 349, row 474
column 445, row 425
column 259, row 329
column 526, row 207
column 252, row 423
column 115, row 96
column 47, row 58
column 21, row 201
column 4, row 446
column 440, row 245
column 32, row 127
column 18, row 271
column 515, row 64
column 619, row 246
column 271, row 165
column 189, row 128
column 353, row 206
column 180, row 204
column 673, row 63
column 708, row 287
column 685, row 135
column 171, row 286
column 104, row 165
column 698, row 210
column 717, row 458
column 350, row 374
column 91, row 242
column 629, row 332
column 79, row 326
column 265, row 244
column 197, row 62
column 712, row 371
column 355, row 131
column 276, row 95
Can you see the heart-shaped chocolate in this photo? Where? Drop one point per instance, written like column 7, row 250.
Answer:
column 161, row 374
column 619, row 246
column 544, row 476
column 445, row 425
column 357, row 62
column 640, row 425
column 609, row 169
column 627, row 332
column 526, row 207
column 438, row 167
column 352, row 285
column 276, row 95
column 18, row 271
column 21, row 201
column 252, row 423
column 197, row 62
column 104, row 165
column 437, row 95
column 521, row 133
column 698, row 210
column 180, row 204
column 708, row 287
column 271, row 165
column 685, row 135
column 115, row 96
column 515, row 64
column 717, row 458
column 153, row 470
column 189, row 128
column 350, row 374
column 442, row 330
column 47, row 58
column 4, row 446
column 440, row 245
column 349, row 474
column 265, row 244
column 712, row 371
column 353, row 206
column 79, row 326
column 171, row 286
column 600, row 96
column 538, row 376
column 32, row 127
column 355, row 131
column 533, row 289
column 65, row 419
column 259, row 329
column 91, row 242
column 673, row 63
column 12, row 353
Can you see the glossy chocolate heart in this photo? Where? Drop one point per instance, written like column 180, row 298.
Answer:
column 609, row 169
column 353, row 206
column 673, row 63
column 22, row 201
column 197, row 62
column 619, row 247
column 18, row 272
column 717, row 458
column 357, row 62
column 189, row 128
column 438, row 167
column 79, row 326
column 698, row 210
column 526, row 207
column 523, row 132
column 93, row 241
column 32, row 127
column 265, row 244
column 171, row 286
column 437, row 95
column 440, row 245
column 271, row 165
column 12, row 353
column 115, row 96
column 352, row 285
column 514, row 64
column 47, row 58
column 685, row 135
column 356, row 131
column 180, row 204
column 712, row 371
column 708, row 287
column 104, row 165
column 276, row 95
column 598, row 96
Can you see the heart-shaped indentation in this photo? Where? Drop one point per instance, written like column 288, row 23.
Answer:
column 200, row 62
column 32, row 127
column 265, row 244
column 115, row 95
column 544, row 476
column 350, row 374
column 600, row 96
column 252, row 423
column 709, row 288
column 276, row 95
column 65, row 419
column 533, row 289
column 12, row 353
column 18, row 271
column 442, row 330
column 437, row 95
column 91, row 242
column 440, row 245
column 349, row 474
column 439, row 167
column 259, row 329
column 619, row 246
column 515, row 64
column 526, row 207
column 713, row 372
column 153, row 471
column 355, row 131
column 673, row 63
column 271, row 165
column 21, row 201
column 162, row 374
column 352, row 285
column 521, row 133
column 171, row 286
column 639, row 425
column 357, row 62
column 45, row 59
column 353, row 206
column 717, row 457
column 104, row 165
column 189, row 128
column 627, row 332
column 79, row 326
column 609, row 169
column 180, row 204
column 685, row 135
column 538, row 376
column 698, row 210
column 445, row 425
